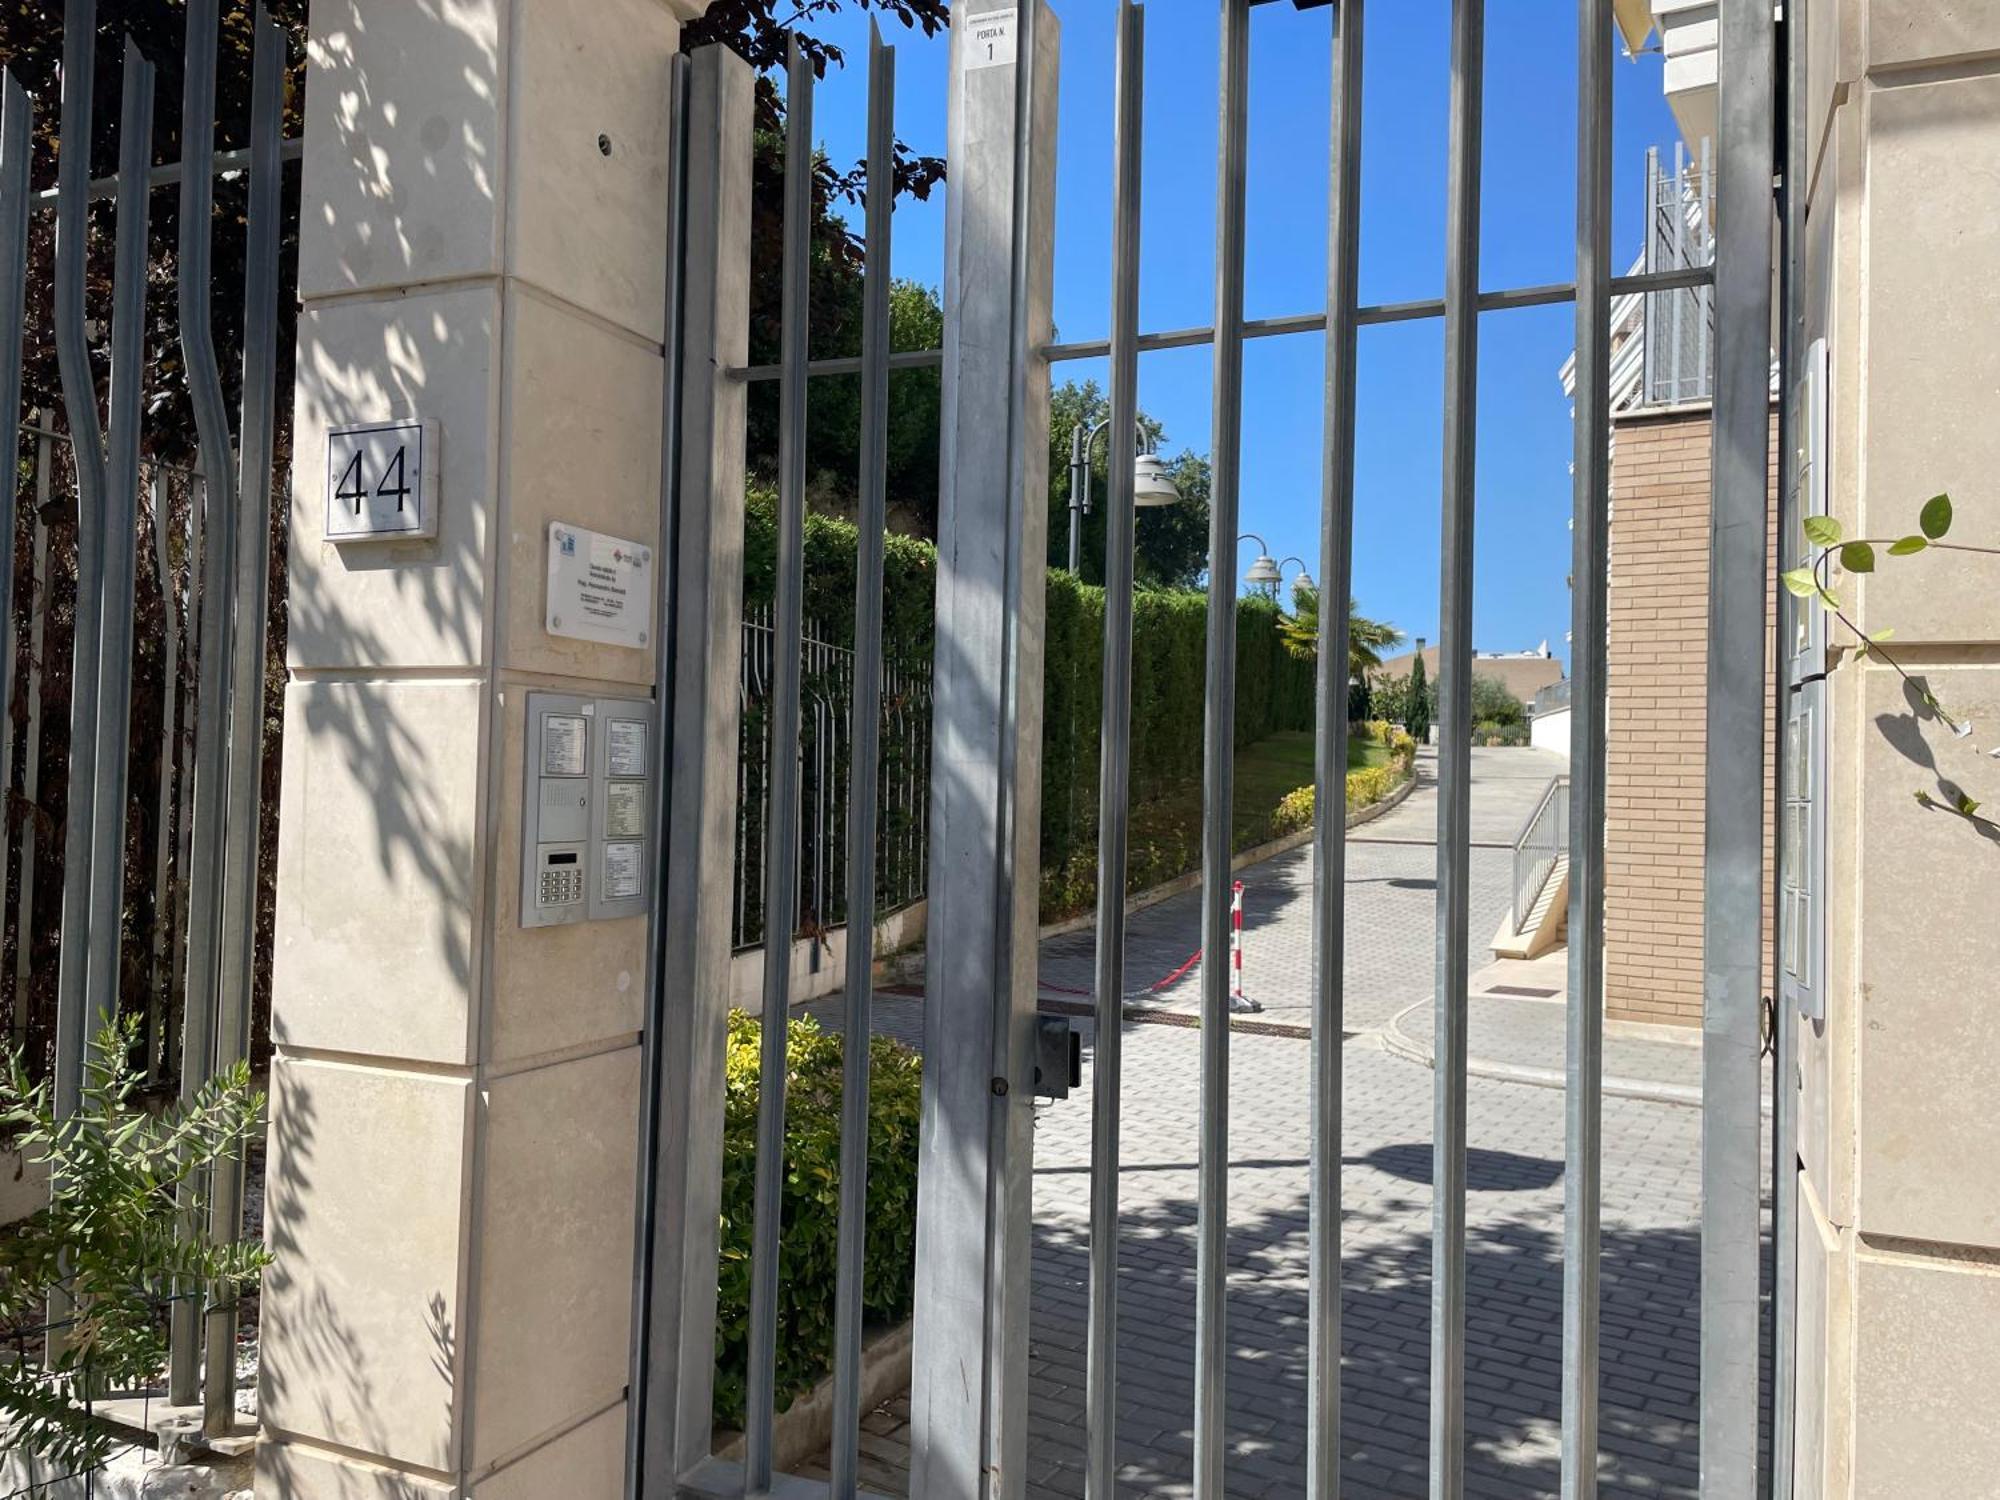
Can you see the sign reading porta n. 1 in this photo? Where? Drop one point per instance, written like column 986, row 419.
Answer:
column 381, row 481
column 600, row 587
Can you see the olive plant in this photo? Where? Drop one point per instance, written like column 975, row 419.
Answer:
column 109, row 1252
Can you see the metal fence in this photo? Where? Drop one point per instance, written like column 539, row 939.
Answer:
column 166, row 603
column 825, row 758
column 1680, row 236
column 214, row 778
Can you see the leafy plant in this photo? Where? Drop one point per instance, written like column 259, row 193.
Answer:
column 1366, row 639
column 1494, row 706
column 1814, row 581
column 109, row 1247
column 809, row 1238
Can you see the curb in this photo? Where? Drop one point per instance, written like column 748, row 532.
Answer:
column 805, row 1428
column 1400, row 1043
column 1394, row 800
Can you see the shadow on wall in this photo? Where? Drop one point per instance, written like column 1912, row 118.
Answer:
column 1905, row 734
column 327, row 1326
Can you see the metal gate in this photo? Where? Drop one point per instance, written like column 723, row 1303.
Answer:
column 969, row 1428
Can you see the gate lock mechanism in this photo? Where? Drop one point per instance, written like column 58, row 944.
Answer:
column 1058, row 1057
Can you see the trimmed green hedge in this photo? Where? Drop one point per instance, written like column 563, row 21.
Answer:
column 1274, row 691
column 809, row 1249
column 909, row 578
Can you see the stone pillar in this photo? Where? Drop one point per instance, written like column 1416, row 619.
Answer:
column 1899, row 1255
column 455, row 1099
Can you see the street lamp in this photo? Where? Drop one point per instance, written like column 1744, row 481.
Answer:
column 1152, row 484
column 1303, row 581
column 1264, row 571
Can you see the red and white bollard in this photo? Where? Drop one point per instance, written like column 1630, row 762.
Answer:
column 1239, row 1003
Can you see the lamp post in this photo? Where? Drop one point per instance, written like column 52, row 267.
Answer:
column 1264, row 570
column 1303, row 581
column 1152, row 484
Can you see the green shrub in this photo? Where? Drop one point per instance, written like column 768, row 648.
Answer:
column 1492, row 702
column 1293, row 812
column 108, row 1241
column 1365, row 787
column 1274, row 691
column 809, row 1242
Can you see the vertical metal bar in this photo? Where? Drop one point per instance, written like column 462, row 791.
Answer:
column 1733, row 886
column 242, row 819
column 1115, row 768
column 1590, row 573
column 212, row 702
column 31, row 746
column 16, row 152
column 969, row 1357
column 666, row 632
column 1454, row 718
column 781, row 839
column 1651, row 321
column 864, row 767
column 1336, row 548
column 705, row 695
column 1218, row 759
column 87, row 440
column 159, row 985
column 184, row 811
column 1784, row 1055
column 120, row 544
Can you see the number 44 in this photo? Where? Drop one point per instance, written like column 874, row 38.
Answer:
column 354, row 481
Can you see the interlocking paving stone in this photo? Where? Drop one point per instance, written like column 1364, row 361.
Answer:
column 1651, row 1265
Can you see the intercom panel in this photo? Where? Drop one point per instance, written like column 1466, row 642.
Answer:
column 589, row 781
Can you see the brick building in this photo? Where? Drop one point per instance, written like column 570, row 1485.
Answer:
column 1657, row 687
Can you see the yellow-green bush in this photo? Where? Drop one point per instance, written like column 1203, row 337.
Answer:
column 1365, row 788
column 1294, row 811
column 808, row 1250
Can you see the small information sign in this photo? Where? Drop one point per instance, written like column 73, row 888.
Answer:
column 624, row 876
column 626, row 746
column 600, row 587
column 990, row 39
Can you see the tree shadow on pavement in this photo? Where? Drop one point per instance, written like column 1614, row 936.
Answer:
column 1513, row 1383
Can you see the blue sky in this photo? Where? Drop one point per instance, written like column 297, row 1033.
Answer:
column 1529, row 209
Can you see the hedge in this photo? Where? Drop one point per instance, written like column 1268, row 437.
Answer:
column 909, row 578
column 808, row 1250
column 1274, row 691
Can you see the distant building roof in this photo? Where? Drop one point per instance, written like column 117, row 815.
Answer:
column 1522, row 673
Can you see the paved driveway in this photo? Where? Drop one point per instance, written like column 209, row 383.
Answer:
column 1391, row 907
column 1513, row 1377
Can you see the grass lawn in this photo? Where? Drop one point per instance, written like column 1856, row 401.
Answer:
column 1279, row 764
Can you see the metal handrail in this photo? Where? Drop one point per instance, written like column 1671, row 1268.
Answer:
column 1539, row 845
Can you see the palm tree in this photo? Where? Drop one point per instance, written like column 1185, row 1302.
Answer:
column 1366, row 639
